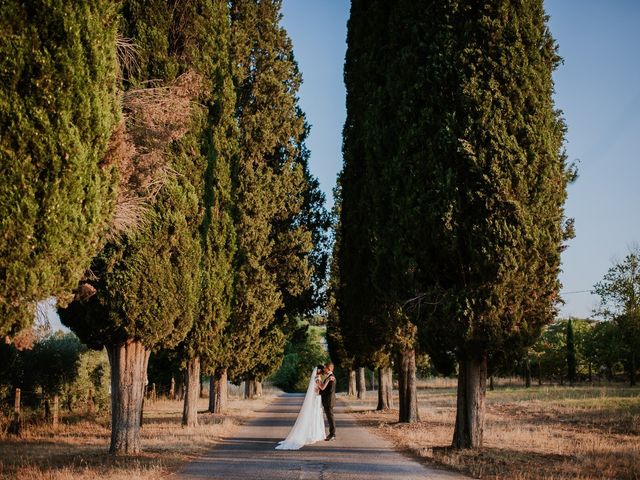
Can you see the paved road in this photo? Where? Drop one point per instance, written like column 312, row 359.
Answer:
column 356, row 454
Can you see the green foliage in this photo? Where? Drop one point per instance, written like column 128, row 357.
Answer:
column 53, row 363
column 475, row 173
column 59, row 364
column 215, row 140
column 598, row 348
column 605, row 348
column 92, row 382
column 336, row 342
column 364, row 310
column 619, row 292
column 147, row 282
column 58, row 107
column 303, row 352
column 549, row 351
column 271, row 188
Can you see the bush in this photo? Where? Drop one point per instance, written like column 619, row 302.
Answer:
column 58, row 364
column 303, row 352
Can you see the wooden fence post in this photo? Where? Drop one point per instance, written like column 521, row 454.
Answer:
column 16, row 402
column 90, row 404
column 15, row 426
column 56, row 411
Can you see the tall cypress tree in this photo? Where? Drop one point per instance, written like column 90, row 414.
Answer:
column 217, row 147
column 485, row 149
column 273, row 247
column 354, row 261
column 453, row 185
column 376, row 268
column 58, row 108
column 146, row 289
column 336, row 343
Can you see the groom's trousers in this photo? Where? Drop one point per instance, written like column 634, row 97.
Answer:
column 328, row 411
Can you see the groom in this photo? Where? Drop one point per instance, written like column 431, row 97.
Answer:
column 329, row 400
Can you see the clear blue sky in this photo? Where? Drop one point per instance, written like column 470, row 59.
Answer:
column 597, row 87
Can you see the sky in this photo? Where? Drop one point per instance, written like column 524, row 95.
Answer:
column 597, row 88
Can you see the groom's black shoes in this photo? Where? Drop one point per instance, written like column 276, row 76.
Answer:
column 329, row 438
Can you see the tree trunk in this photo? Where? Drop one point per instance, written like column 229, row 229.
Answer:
column 352, row 383
column 55, row 420
column 180, row 389
column 539, row 373
column 192, row 393
column 218, row 391
column 407, row 388
column 590, row 373
column 360, row 384
column 632, row 369
column 385, row 401
column 252, row 388
column 527, row 374
column 491, row 383
column 128, row 374
column 212, row 394
column 472, row 390
column 258, row 388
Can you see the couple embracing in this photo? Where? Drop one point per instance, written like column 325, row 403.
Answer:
column 309, row 426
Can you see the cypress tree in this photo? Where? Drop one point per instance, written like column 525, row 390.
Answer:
column 58, row 108
column 217, row 148
column 353, row 254
column 571, row 354
column 146, row 289
column 453, row 187
column 335, row 337
column 376, row 265
column 485, row 148
column 272, row 266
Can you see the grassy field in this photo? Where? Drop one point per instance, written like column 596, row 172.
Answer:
column 77, row 449
column 541, row 433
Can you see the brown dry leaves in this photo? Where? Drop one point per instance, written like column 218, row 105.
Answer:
column 153, row 118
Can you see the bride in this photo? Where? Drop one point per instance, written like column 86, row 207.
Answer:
column 309, row 426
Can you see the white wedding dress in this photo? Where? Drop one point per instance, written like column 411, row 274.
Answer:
column 309, row 426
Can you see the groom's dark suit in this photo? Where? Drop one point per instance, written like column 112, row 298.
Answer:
column 328, row 402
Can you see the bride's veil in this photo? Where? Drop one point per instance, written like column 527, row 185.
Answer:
column 301, row 429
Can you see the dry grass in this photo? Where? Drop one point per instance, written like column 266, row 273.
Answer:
column 78, row 448
column 541, row 433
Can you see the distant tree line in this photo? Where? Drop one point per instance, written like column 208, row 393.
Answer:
column 575, row 351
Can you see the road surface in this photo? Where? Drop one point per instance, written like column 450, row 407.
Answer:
column 356, row 453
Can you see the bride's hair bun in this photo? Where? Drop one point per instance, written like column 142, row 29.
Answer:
column 320, row 368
